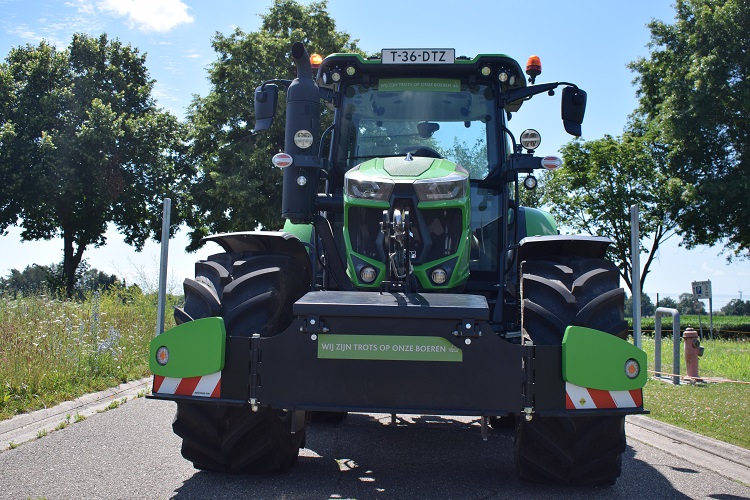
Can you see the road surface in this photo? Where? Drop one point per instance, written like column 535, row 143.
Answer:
column 130, row 452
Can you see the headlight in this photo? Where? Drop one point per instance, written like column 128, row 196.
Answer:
column 450, row 187
column 368, row 274
column 439, row 276
column 360, row 186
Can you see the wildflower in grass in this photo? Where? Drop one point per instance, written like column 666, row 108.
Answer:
column 110, row 342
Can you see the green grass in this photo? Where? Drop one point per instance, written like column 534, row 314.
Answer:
column 53, row 350
column 718, row 410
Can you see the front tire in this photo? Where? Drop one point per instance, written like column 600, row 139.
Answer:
column 254, row 293
column 556, row 293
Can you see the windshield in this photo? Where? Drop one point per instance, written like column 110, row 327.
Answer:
column 425, row 117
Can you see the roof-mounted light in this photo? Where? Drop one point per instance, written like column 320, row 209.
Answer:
column 533, row 68
column 316, row 60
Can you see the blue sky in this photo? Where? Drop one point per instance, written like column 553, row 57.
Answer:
column 585, row 42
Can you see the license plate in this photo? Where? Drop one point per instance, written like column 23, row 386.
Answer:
column 418, row 56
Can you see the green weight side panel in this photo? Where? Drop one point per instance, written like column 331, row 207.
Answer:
column 595, row 359
column 196, row 348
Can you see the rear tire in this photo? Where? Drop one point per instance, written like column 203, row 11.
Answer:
column 556, row 293
column 254, row 293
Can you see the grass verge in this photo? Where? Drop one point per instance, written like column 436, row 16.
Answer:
column 53, row 351
column 717, row 410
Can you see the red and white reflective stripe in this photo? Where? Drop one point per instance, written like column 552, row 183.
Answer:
column 207, row 386
column 583, row 398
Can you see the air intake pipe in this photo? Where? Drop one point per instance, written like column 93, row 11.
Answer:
column 302, row 142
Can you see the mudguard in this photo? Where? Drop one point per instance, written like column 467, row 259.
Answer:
column 534, row 247
column 273, row 242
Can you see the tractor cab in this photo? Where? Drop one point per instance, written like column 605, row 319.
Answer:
column 417, row 171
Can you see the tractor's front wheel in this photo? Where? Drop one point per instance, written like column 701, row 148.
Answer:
column 254, row 293
column 556, row 293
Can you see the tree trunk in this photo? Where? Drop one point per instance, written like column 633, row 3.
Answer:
column 71, row 260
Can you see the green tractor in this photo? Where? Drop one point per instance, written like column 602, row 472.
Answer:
column 408, row 279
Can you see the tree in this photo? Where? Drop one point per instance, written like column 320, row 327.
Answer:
column 601, row 180
column 236, row 187
column 688, row 304
column 32, row 280
column 36, row 279
column 737, row 307
column 82, row 144
column 667, row 302
column 647, row 307
column 694, row 91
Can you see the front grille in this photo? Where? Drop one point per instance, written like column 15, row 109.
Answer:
column 444, row 229
column 436, row 233
column 364, row 232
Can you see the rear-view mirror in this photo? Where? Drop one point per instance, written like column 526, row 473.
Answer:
column 573, row 109
column 266, row 98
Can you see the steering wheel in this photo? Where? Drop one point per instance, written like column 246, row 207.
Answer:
column 421, row 151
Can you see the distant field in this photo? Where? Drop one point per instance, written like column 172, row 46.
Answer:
column 724, row 326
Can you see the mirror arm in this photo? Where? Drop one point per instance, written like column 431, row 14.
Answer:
column 526, row 92
column 281, row 83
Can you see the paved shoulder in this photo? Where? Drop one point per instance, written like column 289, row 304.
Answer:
column 28, row 426
column 723, row 458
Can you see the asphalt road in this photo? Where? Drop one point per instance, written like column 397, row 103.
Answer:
column 130, row 452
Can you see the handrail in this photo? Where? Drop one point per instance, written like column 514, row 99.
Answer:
column 663, row 311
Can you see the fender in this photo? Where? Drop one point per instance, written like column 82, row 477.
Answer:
column 274, row 242
column 584, row 246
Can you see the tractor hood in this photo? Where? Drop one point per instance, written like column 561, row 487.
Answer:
column 433, row 179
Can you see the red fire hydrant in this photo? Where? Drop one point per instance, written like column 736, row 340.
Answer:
column 693, row 350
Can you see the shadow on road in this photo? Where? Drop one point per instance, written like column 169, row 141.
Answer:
column 420, row 457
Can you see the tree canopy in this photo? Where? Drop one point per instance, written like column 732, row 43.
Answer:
column 694, row 91
column 236, row 187
column 737, row 307
column 601, row 180
column 82, row 145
